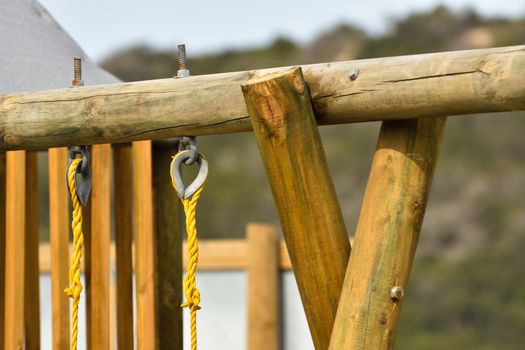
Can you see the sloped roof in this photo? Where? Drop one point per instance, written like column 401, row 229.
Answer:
column 36, row 53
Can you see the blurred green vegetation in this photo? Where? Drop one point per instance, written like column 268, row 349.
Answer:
column 467, row 289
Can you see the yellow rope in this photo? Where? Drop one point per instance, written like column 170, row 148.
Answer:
column 191, row 292
column 75, row 288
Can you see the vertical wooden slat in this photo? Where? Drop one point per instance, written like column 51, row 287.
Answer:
column 123, row 242
column 263, row 288
column 113, row 315
column 144, row 245
column 99, row 331
column 2, row 246
column 313, row 227
column 86, row 229
column 168, row 251
column 59, row 237
column 15, row 250
column 387, row 234
column 32, row 285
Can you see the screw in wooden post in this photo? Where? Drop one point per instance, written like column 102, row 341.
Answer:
column 396, row 293
column 353, row 74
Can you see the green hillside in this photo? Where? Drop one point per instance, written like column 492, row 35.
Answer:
column 467, row 289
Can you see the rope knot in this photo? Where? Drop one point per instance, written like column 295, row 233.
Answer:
column 193, row 300
column 74, row 291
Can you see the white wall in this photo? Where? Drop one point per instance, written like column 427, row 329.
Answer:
column 221, row 323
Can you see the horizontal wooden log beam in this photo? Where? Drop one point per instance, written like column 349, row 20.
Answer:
column 430, row 85
column 215, row 255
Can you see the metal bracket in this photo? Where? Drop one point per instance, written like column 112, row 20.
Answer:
column 83, row 173
column 189, row 143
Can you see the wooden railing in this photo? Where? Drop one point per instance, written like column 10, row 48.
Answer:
column 214, row 255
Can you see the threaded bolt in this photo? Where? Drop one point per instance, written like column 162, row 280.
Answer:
column 182, row 56
column 77, row 72
column 183, row 70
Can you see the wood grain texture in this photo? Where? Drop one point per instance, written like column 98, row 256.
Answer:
column 295, row 163
column 144, row 245
column 59, row 242
column 263, row 288
column 31, row 275
column 15, row 250
column 99, row 242
column 123, row 246
column 168, row 251
column 2, row 246
column 387, row 233
column 430, row 85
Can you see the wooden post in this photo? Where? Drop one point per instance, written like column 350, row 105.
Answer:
column 99, row 240
column 291, row 148
column 15, row 250
column 144, row 245
column 263, row 288
column 32, row 272
column 387, row 234
column 59, row 237
column 2, row 246
column 168, row 232
column 123, row 243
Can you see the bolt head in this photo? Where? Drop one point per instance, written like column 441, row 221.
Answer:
column 353, row 74
column 396, row 293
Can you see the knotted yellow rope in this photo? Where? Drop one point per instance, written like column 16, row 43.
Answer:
column 75, row 288
column 191, row 292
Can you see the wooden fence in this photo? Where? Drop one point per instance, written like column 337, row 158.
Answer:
column 262, row 255
column 411, row 95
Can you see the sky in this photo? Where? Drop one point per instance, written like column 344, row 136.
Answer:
column 102, row 27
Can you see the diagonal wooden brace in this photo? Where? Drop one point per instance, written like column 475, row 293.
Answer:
column 289, row 142
column 387, row 234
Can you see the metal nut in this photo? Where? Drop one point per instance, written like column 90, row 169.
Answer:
column 396, row 293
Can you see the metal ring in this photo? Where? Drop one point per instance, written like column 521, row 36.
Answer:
column 189, row 143
column 83, row 152
column 182, row 191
